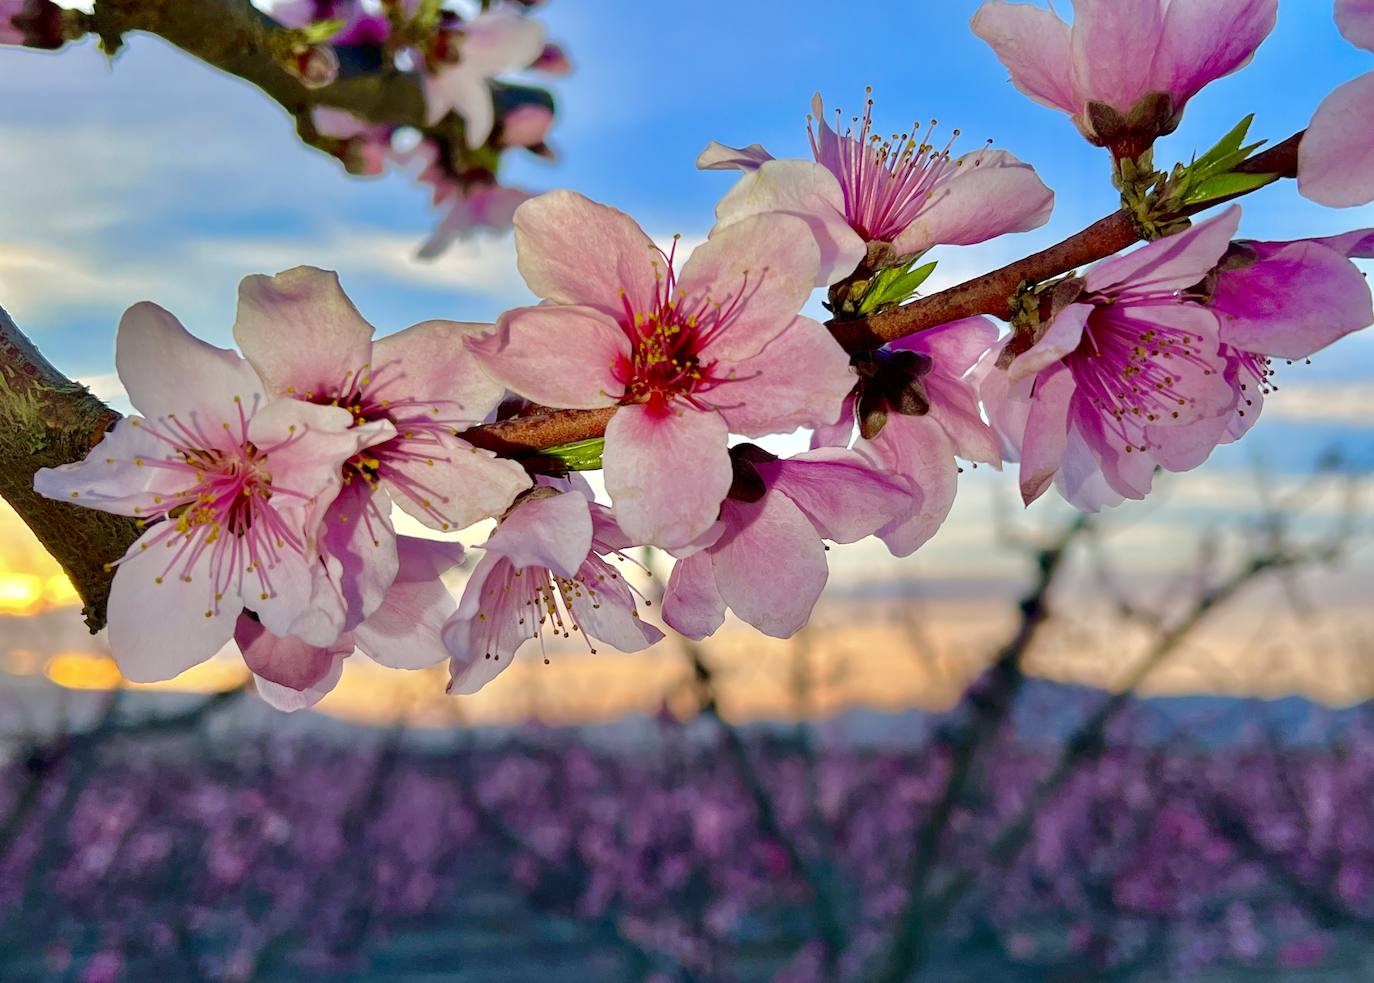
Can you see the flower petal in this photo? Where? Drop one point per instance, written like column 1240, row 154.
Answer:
column 406, row 631
column 1336, row 156
column 290, row 700
column 917, row 449
column 301, row 333
column 691, row 605
column 1061, row 337
column 1047, row 432
column 563, row 355
column 770, row 565
column 839, row 491
column 1173, row 263
column 458, row 486
column 666, row 473
column 807, row 191
column 287, row 661
column 433, row 364
column 1205, row 40
column 764, row 265
column 358, row 547
column 1113, row 48
column 165, row 370
column 111, row 478
column 553, row 532
column 719, row 157
column 299, row 599
column 479, row 649
column 1355, row 18
column 612, row 617
column 572, row 250
column 1033, row 43
column 990, row 194
column 800, row 379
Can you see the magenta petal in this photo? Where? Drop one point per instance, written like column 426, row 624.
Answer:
column 990, row 193
column 1114, row 47
column 1299, row 298
column 612, row 618
column 287, row 661
column 955, row 347
column 301, row 332
column 557, row 356
column 807, row 191
column 166, row 370
column 433, row 362
column 718, row 157
column 553, row 532
column 111, row 478
column 572, row 250
column 666, row 473
column 918, row 449
column 289, row 700
column 406, row 631
column 158, row 624
column 1046, row 434
column 1080, row 479
column 770, row 564
column 839, row 491
column 1033, row 43
column 1061, row 337
column 766, row 266
column 425, row 559
column 1355, row 18
column 358, row 547
column 1207, row 39
column 692, row 605
column 1336, row 156
column 1173, row 263
column 800, row 379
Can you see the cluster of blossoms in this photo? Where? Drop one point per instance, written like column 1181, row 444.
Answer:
column 266, row 482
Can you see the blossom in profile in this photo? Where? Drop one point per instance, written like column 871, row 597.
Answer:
column 905, row 193
column 917, row 413
column 1124, row 72
column 544, row 573
column 1126, row 375
column 307, row 341
column 766, row 561
column 402, row 633
column 491, row 44
column 684, row 358
column 1336, row 155
column 231, row 486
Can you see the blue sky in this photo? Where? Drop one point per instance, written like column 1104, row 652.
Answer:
column 155, row 177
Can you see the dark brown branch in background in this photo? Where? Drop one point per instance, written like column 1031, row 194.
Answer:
column 48, row 420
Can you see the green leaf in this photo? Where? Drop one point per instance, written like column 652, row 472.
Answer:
column 580, row 455
column 1226, row 185
column 1226, row 146
column 894, row 286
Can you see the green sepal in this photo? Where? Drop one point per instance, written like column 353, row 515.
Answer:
column 580, row 455
column 1225, row 186
column 894, row 286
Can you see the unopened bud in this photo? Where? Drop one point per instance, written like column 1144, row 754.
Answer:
column 316, row 66
column 32, row 23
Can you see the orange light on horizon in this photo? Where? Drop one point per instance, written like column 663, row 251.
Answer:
column 82, row 670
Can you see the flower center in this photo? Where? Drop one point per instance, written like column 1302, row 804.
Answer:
column 225, row 508
column 886, row 182
column 1131, row 372
column 668, row 358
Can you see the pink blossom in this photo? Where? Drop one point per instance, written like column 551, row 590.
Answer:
column 232, row 487
column 1336, row 155
column 490, row 44
column 402, row 633
column 1286, row 300
column 33, row 23
column 365, row 147
column 485, row 208
column 1125, row 377
column 306, row 340
column 907, row 194
column 526, row 125
column 553, row 60
column 544, row 568
column 917, row 396
column 767, row 562
column 1124, row 71
column 686, row 358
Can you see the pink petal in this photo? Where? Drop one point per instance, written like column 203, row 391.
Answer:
column 1336, row 156
column 1200, row 379
column 301, row 333
column 287, row 662
column 767, row 265
column 1007, row 404
column 290, row 700
column 1080, row 479
column 165, row 370
column 406, row 631
column 666, row 474
column 422, row 560
column 841, row 432
column 159, row 630
column 1033, row 43
column 1355, row 18
column 612, row 618
column 557, row 355
column 1061, row 337
column 501, row 41
column 358, row 547
column 991, row 194
column 1113, row 48
column 770, row 564
column 917, row 449
column 800, row 379
column 553, row 532
column 807, row 191
column 489, row 208
column 719, row 157
column 839, row 491
column 302, row 601
column 464, row 484
column 1295, row 301
column 434, row 363
column 572, row 250
column 1207, row 39
column 1173, row 263
column 110, row 478
column 1046, row 434
column 466, row 636
column 691, row 605
column 955, row 347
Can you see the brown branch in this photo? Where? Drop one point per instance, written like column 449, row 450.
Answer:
column 49, row 420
